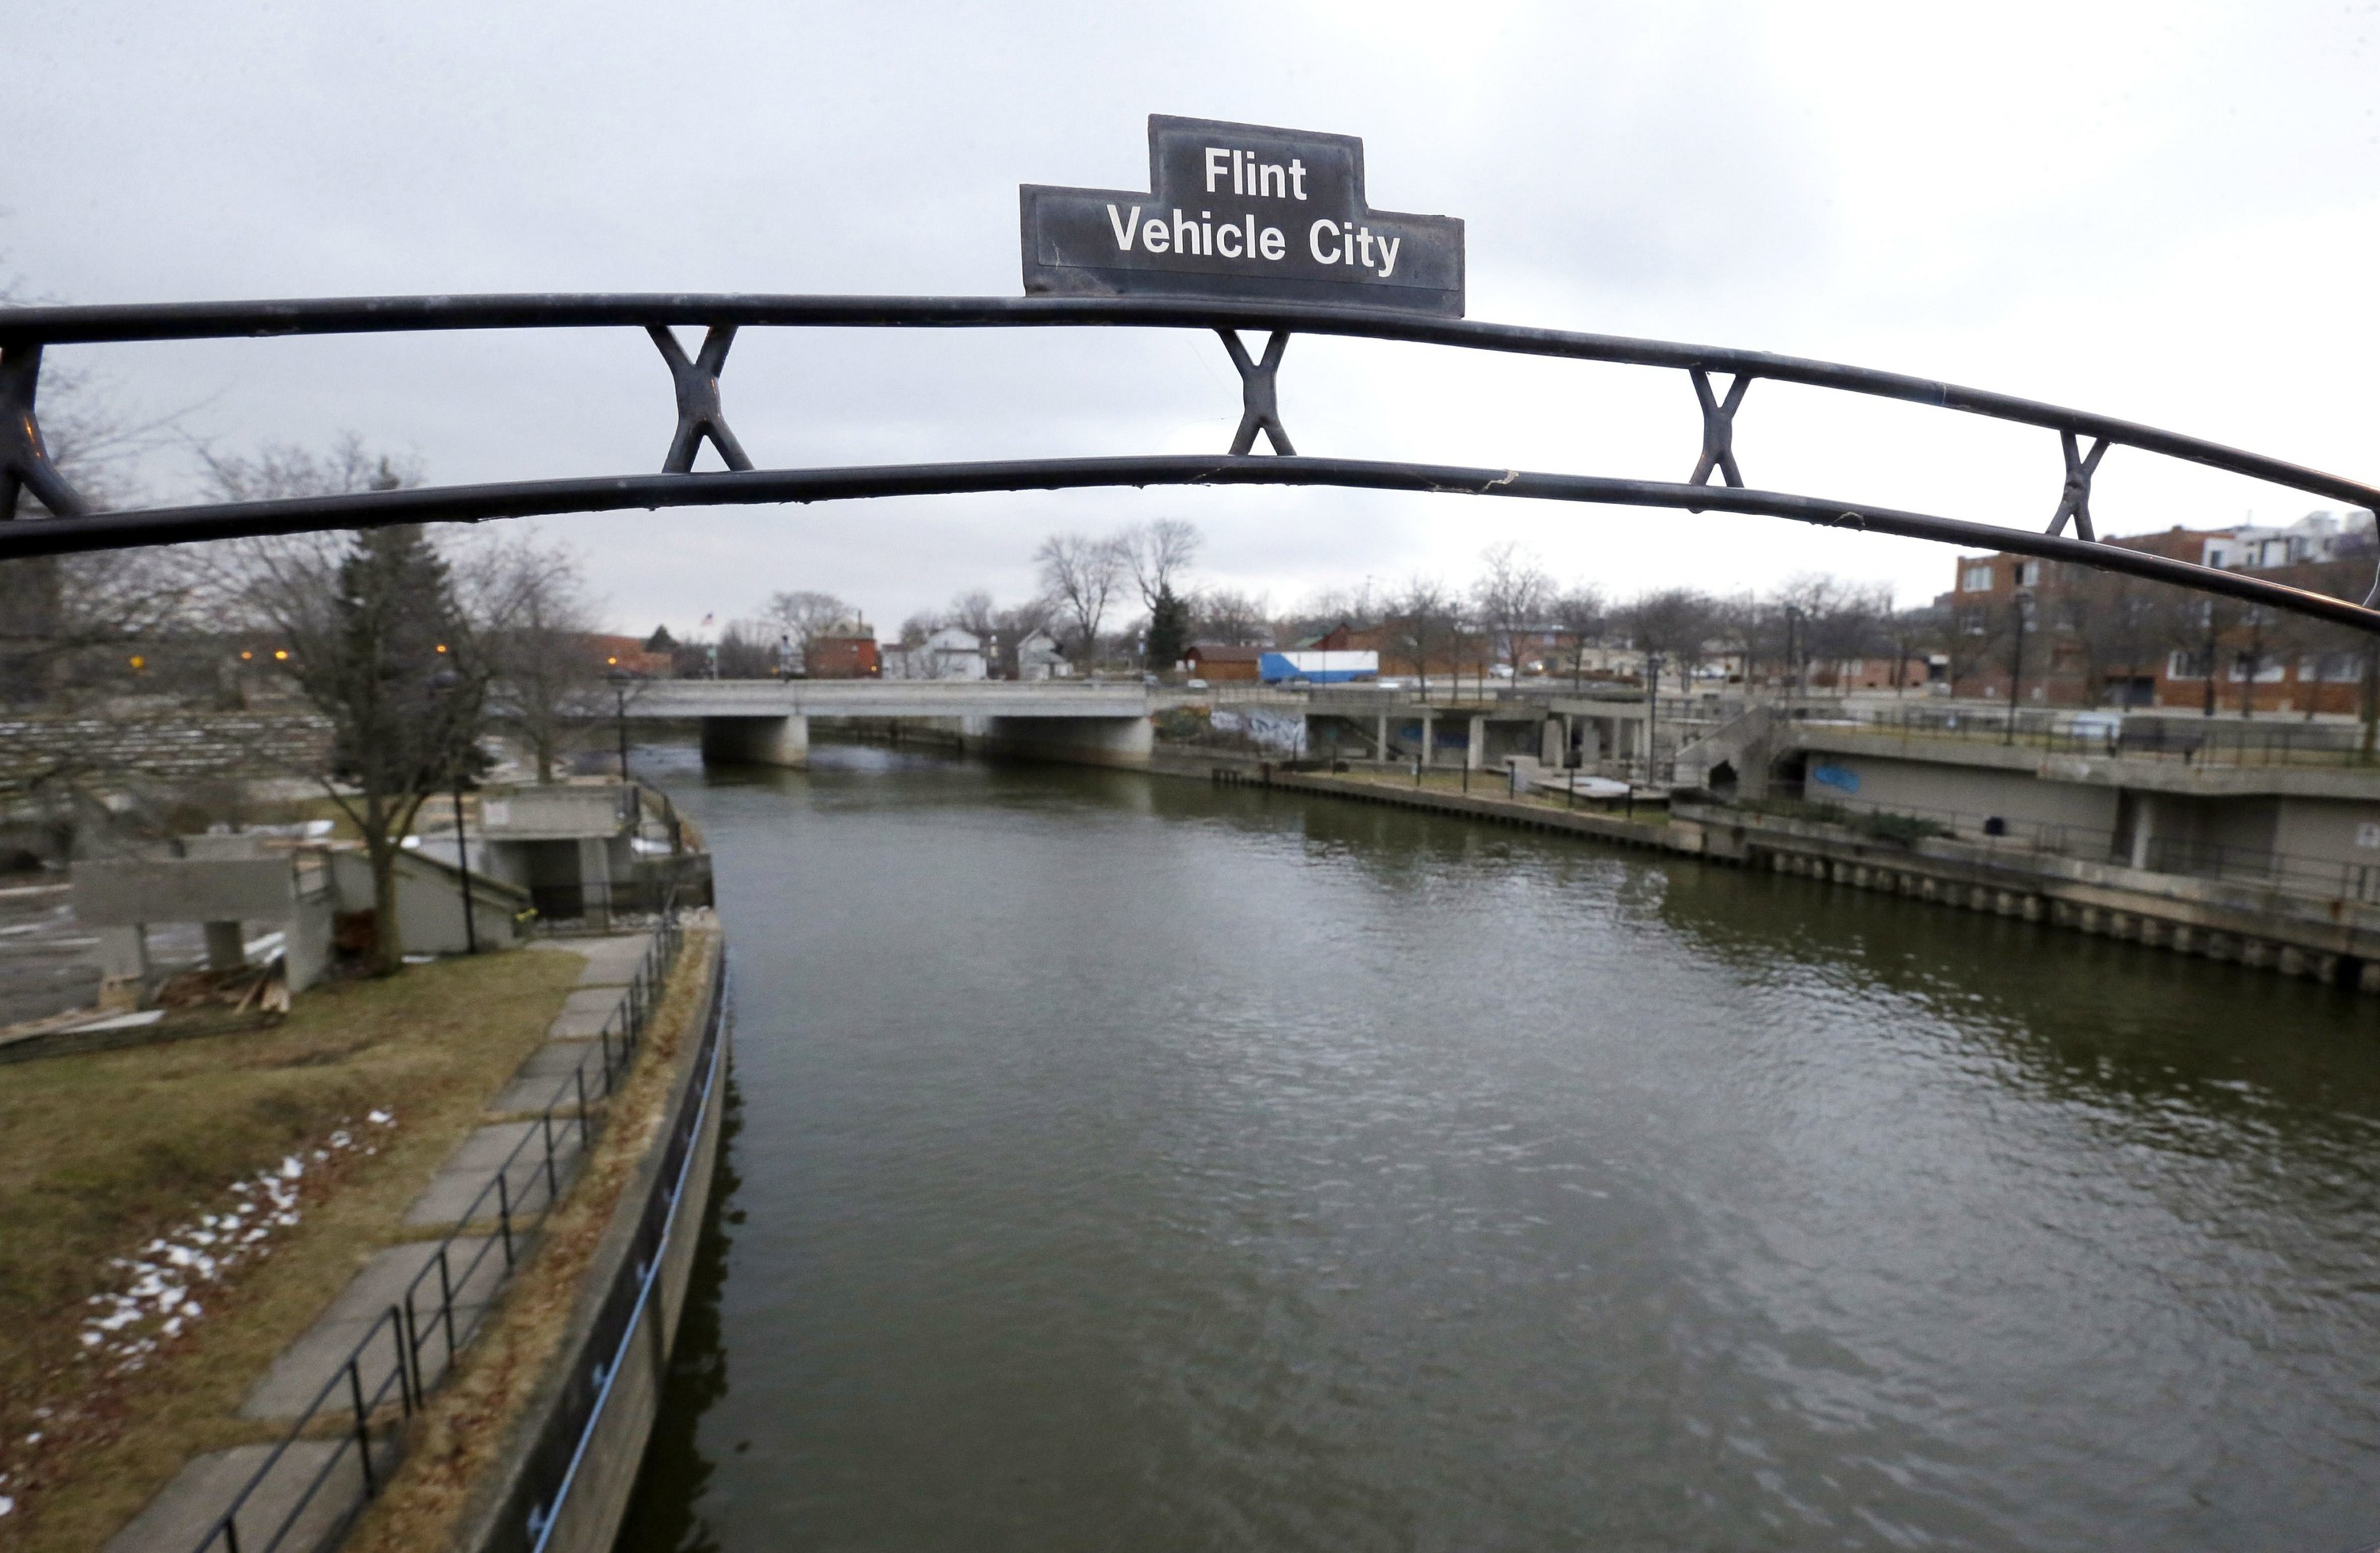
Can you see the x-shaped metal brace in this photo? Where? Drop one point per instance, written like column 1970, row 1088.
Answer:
column 698, row 399
column 2075, row 502
column 1718, row 428
column 24, row 461
column 1259, row 406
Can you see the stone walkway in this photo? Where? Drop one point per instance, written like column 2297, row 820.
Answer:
column 180, row 1514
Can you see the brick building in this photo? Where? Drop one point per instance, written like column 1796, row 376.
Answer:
column 628, row 655
column 2055, row 634
column 845, row 650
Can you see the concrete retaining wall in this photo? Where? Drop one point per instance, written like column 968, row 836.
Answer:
column 2336, row 942
column 572, row 1460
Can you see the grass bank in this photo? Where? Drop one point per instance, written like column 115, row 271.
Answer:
column 481, row 1410
column 114, row 1158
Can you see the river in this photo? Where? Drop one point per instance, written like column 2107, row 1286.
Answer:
column 1122, row 1163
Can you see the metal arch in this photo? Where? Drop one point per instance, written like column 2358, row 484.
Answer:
column 24, row 331
column 611, row 494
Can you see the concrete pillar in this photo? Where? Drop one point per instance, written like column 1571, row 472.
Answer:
column 2143, row 827
column 757, row 741
column 1380, row 746
column 1429, row 739
column 226, row 951
column 595, row 877
column 1553, row 743
column 1474, row 744
column 123, row 967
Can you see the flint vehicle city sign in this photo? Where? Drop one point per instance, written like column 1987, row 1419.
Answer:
column 1243, row 212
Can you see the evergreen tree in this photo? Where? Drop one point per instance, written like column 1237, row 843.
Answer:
column 394, row 667
column 1168, row 630
column 661, row 640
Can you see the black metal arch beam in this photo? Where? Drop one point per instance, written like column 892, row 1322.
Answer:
column 608, row 493
column 342, row 315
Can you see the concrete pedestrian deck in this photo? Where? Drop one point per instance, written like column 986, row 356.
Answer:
column 612, row 962
column 180, row 1514
column 544, row 1079
column 585, row 1013
column 298, row 1374
column 471, row 1168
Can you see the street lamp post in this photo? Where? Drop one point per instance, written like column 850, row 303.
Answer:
column 2022, row 602
column 445, row 682
column 619, row 679
column 1652, row 715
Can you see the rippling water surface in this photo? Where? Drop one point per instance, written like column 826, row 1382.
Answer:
column 1120, row 1163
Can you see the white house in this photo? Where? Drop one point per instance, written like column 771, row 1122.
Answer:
column 1037, row 657
column 949, row 653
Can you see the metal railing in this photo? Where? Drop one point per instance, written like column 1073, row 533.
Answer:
column 366, row 1404
column 2129, row 735
column 2318, row 878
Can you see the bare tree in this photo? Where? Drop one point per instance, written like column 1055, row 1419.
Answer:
column 531, row 605
column 1582, row 615
column 974, row 612
column 1157, row 552
column 1915, row 632
column 379, row 637
column 1836, row 621
column 1231, row 619
column 1422, row 625
column 1358, row 608
column 2113, row 621
column 378, row 642
column 1079, row 576
column 1676, row 623
column 284, row 469
column 62, row 616
column 802, row 615
column 1511, row 594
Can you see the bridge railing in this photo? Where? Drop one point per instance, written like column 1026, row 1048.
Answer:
column 2170, row 736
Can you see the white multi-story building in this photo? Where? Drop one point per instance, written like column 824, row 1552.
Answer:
column 2314, row 538
column 949, row 653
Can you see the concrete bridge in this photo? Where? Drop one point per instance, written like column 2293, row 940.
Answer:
column 767, row 722
column 1107, row 723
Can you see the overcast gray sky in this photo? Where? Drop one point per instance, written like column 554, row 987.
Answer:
column 2167, row 212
